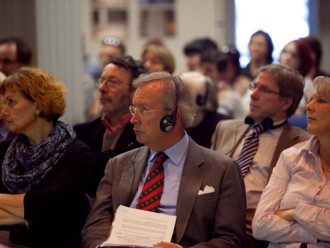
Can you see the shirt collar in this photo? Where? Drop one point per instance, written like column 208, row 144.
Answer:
column 175, row 153
column 121, row 123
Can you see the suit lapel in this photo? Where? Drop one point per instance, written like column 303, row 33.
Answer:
column 239, row 134
column 191, row 182
column 287, row 139
column 132, row 174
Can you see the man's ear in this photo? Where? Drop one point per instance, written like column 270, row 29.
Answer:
column 287, row 102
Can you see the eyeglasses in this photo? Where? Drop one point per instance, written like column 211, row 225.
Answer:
column 142, row 111
column 108, row 81
column 263, row 89
column 111, row 41
column 7, row 61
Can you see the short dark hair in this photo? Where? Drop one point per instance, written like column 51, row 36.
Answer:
column 199, row 45
column 135, row 67
column 24, row 53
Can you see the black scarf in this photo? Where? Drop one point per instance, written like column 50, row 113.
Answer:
column 25, row 165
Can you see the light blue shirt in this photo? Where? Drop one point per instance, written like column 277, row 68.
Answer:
column 173, row 167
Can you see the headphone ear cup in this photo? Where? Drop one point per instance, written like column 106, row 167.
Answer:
column 167, row 123
column 200, row 101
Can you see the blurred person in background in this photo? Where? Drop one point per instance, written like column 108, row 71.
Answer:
column 316, row 49
column 111, row 47
column 261, row 53
column 157, row 57
column 297, row 55
column 193, row 51
column 14, row 53
column 221, row 69
column 206, row 118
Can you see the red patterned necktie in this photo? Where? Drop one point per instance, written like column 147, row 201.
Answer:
column 153, row 186
column 250, row 147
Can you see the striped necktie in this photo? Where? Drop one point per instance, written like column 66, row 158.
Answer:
column 250, row 147
column 153, row 186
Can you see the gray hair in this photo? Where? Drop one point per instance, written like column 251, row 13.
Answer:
column 185, row 103
column 322, row 86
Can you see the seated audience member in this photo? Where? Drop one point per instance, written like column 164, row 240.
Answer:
column 157, row 57
column 317, row 52
column 111, row 47
column 206, row 118
column 294, row 209
column 111, row 133
column 257, row 141
column 194, row 49
column 297, row 55
column 261, row 53
column 162, row 108
column 4, row 131
column 14, row 53
column 45, row 169
column 219, row 67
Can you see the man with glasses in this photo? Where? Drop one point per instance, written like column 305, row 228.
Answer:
column 275, row 96
column 14, row 53
column 171, row 174
column 112, row 133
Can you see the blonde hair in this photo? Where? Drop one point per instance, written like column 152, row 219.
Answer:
column 163, row 54
column 38, row 86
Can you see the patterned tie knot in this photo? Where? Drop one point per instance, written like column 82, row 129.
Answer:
column 258, row 129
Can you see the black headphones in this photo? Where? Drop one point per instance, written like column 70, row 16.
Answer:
column 200, row 99
column 168, row 121
column 266, row 123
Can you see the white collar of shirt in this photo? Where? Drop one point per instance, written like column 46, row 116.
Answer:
column 175, row 153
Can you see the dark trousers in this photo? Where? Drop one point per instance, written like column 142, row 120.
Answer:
column 251, row 242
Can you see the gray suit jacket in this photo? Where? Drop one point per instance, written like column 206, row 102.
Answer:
column 229, row 133
column 216, row 219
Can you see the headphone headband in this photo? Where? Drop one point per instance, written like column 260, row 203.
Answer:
column 168, row 122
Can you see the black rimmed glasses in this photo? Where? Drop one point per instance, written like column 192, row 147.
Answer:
column 142, row 111
column 262, row 89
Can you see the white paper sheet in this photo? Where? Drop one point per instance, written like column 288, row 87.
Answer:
column 139, row 228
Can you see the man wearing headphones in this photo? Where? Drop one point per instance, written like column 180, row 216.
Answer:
column 201, row 187
column 275, row 96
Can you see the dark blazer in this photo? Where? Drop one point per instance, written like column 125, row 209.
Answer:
column 229, row 133
column 57, row 206
column 202, row 134
column 216, row 219
column 92, row 134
